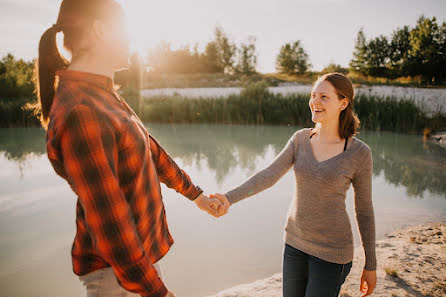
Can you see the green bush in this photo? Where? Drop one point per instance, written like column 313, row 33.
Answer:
column 14, row 114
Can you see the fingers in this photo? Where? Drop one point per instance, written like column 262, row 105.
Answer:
column 362, row 285
column 212, row 207
column 223, row 202
column 365, row 288
column 368, row 282
column 370, row 289
column 216, row 205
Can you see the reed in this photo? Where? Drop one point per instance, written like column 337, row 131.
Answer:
column 255, row 105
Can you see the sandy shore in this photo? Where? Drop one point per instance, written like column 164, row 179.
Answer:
column 411, row 262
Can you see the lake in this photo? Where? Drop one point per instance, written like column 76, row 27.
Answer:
column 37, row 207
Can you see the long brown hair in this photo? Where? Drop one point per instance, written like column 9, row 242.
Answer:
column 75, row 17
column 348, row 119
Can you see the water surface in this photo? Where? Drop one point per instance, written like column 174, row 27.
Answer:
column 37, row 207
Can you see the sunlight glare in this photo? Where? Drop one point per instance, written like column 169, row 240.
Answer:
column 141, row 23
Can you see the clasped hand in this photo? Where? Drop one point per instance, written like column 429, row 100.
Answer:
column 216, row 205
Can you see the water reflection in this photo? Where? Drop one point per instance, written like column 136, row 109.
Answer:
column 37, row 208
column 404, row 160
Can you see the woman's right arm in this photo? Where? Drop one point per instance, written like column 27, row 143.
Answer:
column 266, row 177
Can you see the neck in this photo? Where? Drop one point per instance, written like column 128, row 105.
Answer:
column 85, row 64
column 329, row 132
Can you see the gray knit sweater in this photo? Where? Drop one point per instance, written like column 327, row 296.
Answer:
column 318, row 223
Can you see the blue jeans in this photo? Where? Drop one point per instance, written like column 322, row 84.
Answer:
column 305, row 275
column 103, row 283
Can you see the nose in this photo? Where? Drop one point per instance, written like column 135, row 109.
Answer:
column 314, row 101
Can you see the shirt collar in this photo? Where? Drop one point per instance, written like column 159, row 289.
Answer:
column 99, row 80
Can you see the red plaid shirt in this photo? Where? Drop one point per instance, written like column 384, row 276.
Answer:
column 98, row 144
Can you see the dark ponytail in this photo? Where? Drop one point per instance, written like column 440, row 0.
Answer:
column 48, row 63
column 75, row 18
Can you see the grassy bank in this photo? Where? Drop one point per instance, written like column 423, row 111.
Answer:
column 255, row 105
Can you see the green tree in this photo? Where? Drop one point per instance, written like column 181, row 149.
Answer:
column 359, row 63
column 441, row 57
column 332, row 67
column 378, row 57
column 427, row 44
column 16, row 77
column 247, row 59
column 212, row 58
column 292, row 59
column 226, row 50
column 399, row 52
column 166, row 60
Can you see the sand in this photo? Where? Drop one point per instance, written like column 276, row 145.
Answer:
column 411, row 262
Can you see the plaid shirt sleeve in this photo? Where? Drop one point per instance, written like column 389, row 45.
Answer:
column 89, row 151
column 170, row 174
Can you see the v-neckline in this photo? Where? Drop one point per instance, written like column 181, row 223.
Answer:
column 347, row 150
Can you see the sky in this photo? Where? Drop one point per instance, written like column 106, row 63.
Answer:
column 326, row 28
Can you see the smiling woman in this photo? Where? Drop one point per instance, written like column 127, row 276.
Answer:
column 318, row 251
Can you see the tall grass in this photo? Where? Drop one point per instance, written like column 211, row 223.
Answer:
column 255, row 105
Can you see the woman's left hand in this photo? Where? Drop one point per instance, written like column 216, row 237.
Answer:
column 368, row 282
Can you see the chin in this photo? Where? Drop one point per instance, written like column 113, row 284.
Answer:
column 122, row 66
column 316, row 119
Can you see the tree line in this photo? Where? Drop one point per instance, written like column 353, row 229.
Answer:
column 221, row 55
column 408, row 51
column 418, row 51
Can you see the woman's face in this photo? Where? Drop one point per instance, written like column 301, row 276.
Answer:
column 325, row 104
column 116, row 45
column 107, row 42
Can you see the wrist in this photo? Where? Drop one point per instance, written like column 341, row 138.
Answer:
column 228, row 198
column 200, row 192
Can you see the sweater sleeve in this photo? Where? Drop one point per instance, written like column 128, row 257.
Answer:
column 266, row 177
column 362, row 185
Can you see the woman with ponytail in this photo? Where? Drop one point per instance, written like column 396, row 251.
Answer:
column 101, row 148
column 326, row 160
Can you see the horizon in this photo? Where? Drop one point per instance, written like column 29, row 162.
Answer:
column 271, row 25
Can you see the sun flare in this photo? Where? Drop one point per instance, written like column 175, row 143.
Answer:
column 144, row 24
